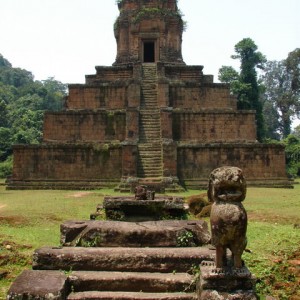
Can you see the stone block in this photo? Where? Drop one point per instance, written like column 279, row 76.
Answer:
column 170, row 233
column 39, row 285
column 121, row 259
column 226, row 283
column 94, row 295
column 131, row 281
column 127, row 208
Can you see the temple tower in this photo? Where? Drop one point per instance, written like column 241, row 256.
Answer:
column 148, row 31
column 148, row 119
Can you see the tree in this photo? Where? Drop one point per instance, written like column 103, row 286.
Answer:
column 245, row 84
column 292, row 153
column 23, row 102
column 280, row 96
column 293, row 67
column 296, row 132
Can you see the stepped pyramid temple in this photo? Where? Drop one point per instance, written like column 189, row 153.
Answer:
column 148, row 119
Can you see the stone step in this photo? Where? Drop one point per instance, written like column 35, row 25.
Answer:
column 150, row 162
column 162, row 260
column 150, row 100
column 150, row 104
column 150, row 115
column 37, row 284
column 152, row 174
column 155, row 120
column 146, row 119
column 130, row 296
column 150, row 156
column 149, row 84
column 147, row 140
column 147, row 114
column 152, row 145
column 149, row 170
column 134, row 234
column 149, row 148
column 150, row 152
column 150, row 133
column 131, row 282
column 150, row 125
column 150, row 159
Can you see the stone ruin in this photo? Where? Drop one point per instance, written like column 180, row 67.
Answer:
column 148, row 119
column 115, row 260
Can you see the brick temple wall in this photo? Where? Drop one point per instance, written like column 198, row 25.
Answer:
column 184, row 73
column 214, row 126
column 67, row 162
column 84, row 126
column 105, row 74
column 95, row 97
column 195, row 96
column 258, row 161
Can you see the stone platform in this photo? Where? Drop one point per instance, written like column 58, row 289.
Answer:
column 169, row 233
column 130, row 209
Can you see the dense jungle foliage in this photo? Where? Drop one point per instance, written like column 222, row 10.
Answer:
column 23, row 102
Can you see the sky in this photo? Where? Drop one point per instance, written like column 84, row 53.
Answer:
column 66, row 39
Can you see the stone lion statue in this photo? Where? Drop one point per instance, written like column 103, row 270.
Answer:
column 228, row 218
column 140, row 192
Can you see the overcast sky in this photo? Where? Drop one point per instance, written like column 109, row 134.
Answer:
column 65, row 39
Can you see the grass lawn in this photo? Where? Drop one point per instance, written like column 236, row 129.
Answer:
column 31, row 219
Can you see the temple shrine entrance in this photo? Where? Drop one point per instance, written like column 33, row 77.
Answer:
column 149, row 52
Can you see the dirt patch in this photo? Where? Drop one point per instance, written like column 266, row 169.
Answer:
column 52, row 218
column 265, row 217
column 289, row 281
column 14, row 220
column 13, row 254
column 80, row 194
column 2, row 206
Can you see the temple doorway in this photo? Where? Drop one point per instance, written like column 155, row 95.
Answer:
column 149, row 52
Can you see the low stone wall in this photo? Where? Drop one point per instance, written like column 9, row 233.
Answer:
column 63, row 162
column 261, row 163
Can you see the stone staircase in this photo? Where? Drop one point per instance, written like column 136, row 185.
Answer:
column 150, row 150
column 117, row 273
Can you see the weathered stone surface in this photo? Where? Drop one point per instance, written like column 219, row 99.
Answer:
column 162, row 260
column 130, row 296
column 41, row 285
column 225, row 283
column 129, row 234
column 238, row 295
column 228, row 217
column 128, row 208
column 226, row 279
column 131, row 282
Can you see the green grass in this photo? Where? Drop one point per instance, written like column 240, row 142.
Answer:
column 31, row 219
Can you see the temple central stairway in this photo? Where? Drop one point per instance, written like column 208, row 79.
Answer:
column 149, row 148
